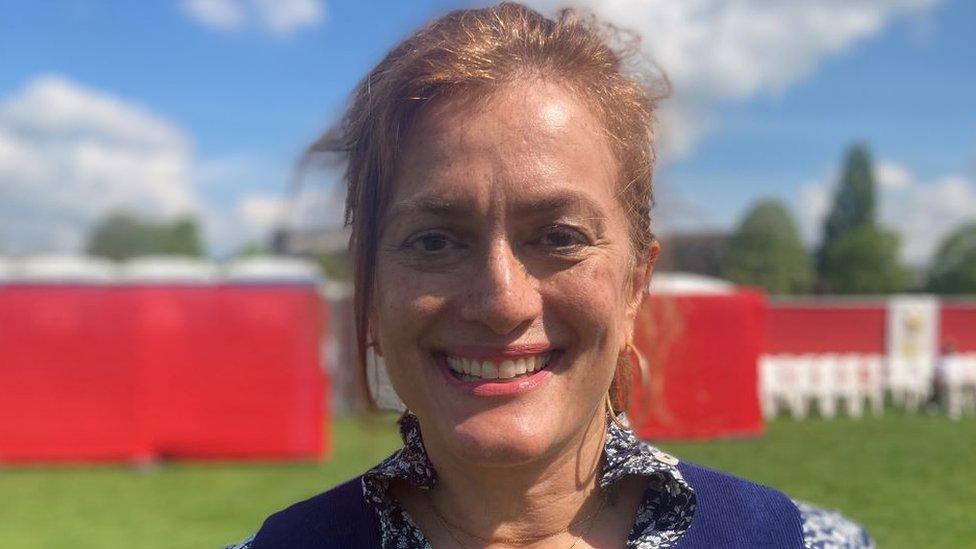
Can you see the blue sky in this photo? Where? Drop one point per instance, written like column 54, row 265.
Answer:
column 203, row 106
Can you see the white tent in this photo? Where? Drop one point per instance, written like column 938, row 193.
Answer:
column 170, row 269
column 64, row 268
column 263, row 269
column 5, row 270
column 688, row 283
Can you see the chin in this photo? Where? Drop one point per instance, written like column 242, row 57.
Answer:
column 500, row 438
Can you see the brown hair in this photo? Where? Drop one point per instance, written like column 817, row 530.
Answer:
column 469, row 53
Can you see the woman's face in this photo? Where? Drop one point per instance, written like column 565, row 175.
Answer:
column 505, row 284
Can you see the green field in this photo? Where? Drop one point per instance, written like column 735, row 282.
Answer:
column 910, row 480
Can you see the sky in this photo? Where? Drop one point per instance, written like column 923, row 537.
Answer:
column 203, row 107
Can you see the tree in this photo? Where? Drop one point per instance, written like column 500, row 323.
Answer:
column 854, row 202
column 335, row 265
column 864, row 261
column 122, row 236
column 251, row 249
column 766, row 251
column 954, row 267
column 855, row 253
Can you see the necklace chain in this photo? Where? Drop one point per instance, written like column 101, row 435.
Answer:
column 451, row 527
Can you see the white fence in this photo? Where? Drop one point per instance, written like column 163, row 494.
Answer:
column 855, row 383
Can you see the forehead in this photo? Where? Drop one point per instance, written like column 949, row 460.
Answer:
column 525, row 141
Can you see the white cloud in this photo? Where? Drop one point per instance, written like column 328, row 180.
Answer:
column 279, row 17
column 261, row 212
column 221, row 14
column 892, row 176
column 921, row 212
column 287, row 16
column 812, row 206
column 925, row 212
column 720, row 50
column 69, row 153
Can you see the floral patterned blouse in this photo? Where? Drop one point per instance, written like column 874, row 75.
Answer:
column 664, row 514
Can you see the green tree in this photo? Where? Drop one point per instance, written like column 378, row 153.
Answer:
column 122, row 236
column 854, row 202
column 856, row 256
column 954, row 267
column 864, row 261
column 766, row 251
column 335, row 265
column 251, row 249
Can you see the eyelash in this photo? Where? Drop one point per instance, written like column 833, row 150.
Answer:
column 579, row 240
column 412, row 242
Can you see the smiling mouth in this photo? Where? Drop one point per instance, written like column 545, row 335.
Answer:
column 471, row 369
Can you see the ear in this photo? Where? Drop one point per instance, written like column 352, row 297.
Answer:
column 640, row 277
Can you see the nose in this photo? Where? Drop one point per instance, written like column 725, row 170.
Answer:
column 502, row 295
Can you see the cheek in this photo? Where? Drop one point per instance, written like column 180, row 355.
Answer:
column 404, row 304
column 590, row 299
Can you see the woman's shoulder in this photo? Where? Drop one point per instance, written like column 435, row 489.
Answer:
column 756, row 515
column 823, row 528
column 739, row 512
column 337, row 517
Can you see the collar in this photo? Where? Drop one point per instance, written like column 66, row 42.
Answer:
column 623, row 455
column 664, row 514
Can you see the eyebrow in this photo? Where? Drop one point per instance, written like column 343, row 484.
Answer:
column 566, row 200
column 441, row 206
column 432, row 205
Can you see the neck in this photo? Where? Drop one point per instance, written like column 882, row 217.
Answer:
column 524, row 501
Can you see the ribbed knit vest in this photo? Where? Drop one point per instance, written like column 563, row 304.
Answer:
column 730, row 513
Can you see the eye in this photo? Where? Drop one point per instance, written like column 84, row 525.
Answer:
column 562, row 239
column 430, row 243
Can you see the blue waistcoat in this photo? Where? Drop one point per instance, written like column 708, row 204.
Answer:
column 730, row 513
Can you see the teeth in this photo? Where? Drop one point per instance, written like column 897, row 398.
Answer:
column 505, row 370
column 521, row 366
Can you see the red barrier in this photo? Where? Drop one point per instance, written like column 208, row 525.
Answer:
column 825, row 326
column 126, row 373
column 958, row 326
column 702, row 351
column 66, row 375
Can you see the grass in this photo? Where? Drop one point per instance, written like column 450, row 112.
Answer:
column 910, row 480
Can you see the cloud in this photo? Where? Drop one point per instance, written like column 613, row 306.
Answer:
column 220, row 14
column 261, row 212
column 890, row 175
column 722, row 50
column 69, row 153
column 925, row 212
column 921, row 212
column 278, row 17
column 813, row 203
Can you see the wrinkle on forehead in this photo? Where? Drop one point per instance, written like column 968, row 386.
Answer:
column 449, row 133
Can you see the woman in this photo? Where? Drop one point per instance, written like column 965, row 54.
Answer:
column 499, row 172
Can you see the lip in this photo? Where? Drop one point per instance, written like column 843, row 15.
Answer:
column 496, row 387
column 499, row 353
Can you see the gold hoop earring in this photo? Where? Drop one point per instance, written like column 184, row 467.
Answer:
column 643, row 367
column 608, row 404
